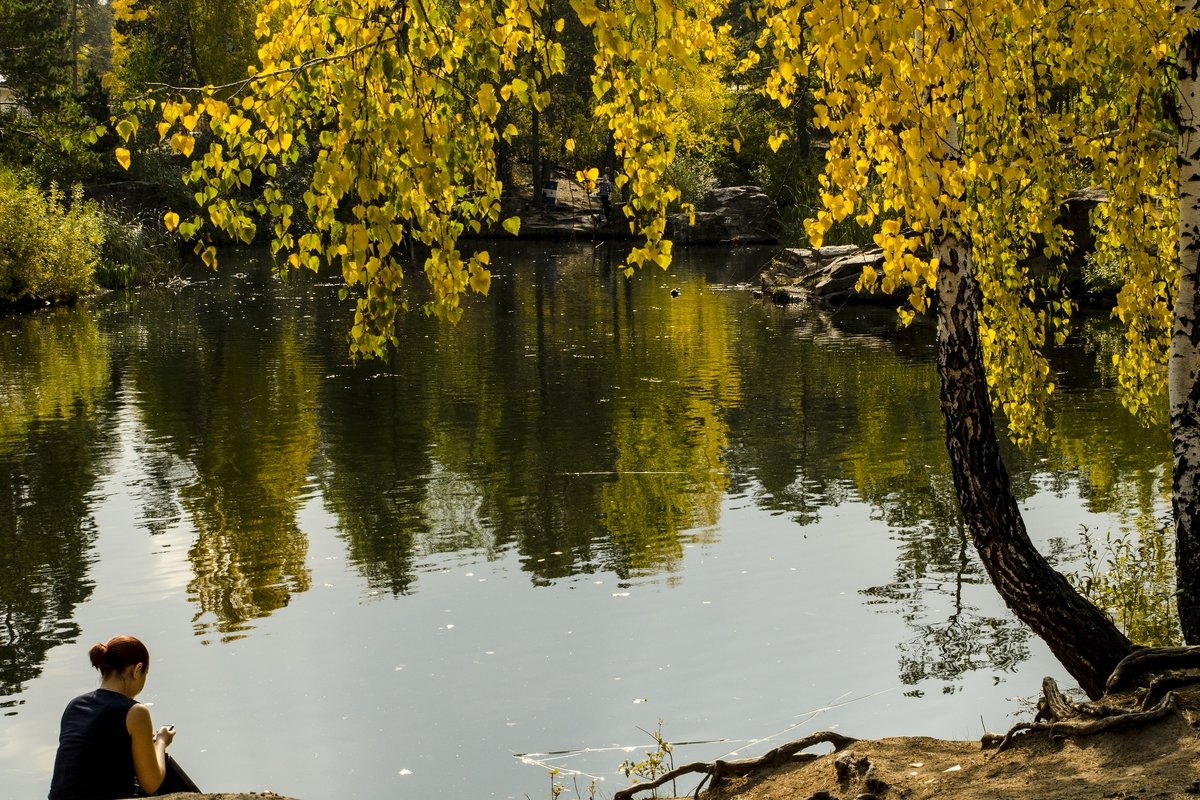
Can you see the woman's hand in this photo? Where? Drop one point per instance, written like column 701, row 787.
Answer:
column 165, row 734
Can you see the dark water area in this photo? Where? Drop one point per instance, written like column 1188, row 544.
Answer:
column 589, row 507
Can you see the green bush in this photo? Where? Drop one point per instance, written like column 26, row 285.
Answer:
column 693, row 177
column 49, row 242
column 1131, row 576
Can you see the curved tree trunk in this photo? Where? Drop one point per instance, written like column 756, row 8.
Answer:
column 1086, row 642
column 1183, row 369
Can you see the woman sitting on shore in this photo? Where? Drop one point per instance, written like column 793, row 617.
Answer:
column 107, row 746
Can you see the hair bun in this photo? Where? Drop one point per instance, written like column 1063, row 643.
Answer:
column 97, row 654
column 117, row 654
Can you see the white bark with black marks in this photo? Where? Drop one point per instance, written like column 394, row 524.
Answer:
column 1183, row 370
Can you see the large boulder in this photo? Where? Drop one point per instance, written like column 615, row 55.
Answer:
column 829, row 274
column 825, row 274
column 731, row 215
column 559, row 221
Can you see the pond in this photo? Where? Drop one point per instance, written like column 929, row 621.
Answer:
column 520, row 543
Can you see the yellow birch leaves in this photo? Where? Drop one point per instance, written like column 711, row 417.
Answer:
column 970, row 119
column 643, row 49
column 977, row 119
column 392, row 111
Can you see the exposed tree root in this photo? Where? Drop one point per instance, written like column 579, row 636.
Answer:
column 1162, row 683
column 1141, row 663
column 719, row 770
column 1062, row 716
column 1054, row 706
column 1140, row 691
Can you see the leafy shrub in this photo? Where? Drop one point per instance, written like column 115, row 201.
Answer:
column 1102, row 273
column 693, row 177
column 49, row 242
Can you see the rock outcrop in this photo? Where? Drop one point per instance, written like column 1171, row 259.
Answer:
column 559, row 221
column 830, row 274
column 824, row 274
column 731, row 215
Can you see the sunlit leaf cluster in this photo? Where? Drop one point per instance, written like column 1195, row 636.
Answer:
column 973, row 120
column 393, row 111
column 976, row 120
column 643, row 50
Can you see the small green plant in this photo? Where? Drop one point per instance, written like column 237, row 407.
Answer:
column 557, row 787
column 1132, row 577
column 657, row 762
column 1102, row 272
column 135, row 252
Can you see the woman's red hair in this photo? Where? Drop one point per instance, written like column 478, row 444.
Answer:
column 117, row 654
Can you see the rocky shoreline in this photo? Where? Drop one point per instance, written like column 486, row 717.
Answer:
column 829, row 275
column 227, row 796
column 730, row 216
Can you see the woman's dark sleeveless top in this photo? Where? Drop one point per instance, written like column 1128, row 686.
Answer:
column 95, row 756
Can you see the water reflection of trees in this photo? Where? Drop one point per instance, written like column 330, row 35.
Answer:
column 965, row 639
column 229, row 399
column 583, row 420
column 857, row 404
column 580, row 421
column 55, row 418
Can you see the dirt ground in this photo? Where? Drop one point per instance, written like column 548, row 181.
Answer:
column 1156, row 762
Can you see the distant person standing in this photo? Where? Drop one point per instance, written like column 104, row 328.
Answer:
column 604, row 191
column 107, row 745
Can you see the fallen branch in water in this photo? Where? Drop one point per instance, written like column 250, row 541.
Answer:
column 719, row 769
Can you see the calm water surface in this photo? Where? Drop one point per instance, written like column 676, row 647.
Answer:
column 589, row 508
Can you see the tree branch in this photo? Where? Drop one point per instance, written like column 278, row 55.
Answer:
column 726, row 769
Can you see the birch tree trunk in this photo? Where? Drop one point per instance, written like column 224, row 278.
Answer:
column 1183, row 369
column 1081, row 636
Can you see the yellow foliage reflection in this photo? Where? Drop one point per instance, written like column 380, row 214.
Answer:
column 56, row 365
column 677, row 376
column 249, row 553
column 55, row 381
column 240, row 408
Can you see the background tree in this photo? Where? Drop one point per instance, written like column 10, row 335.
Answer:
column 35, row 38
column 52, row 57
column 181, row 42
